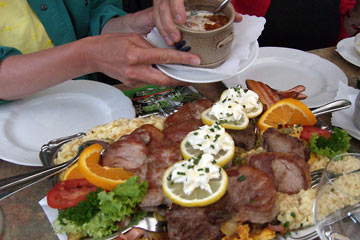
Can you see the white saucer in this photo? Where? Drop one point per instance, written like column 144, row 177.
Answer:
column 202, row 76
column 284, row 68
column 346, row 49
column 65, row 109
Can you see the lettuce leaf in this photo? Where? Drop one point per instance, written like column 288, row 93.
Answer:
column 339, row 142
column 114, row 206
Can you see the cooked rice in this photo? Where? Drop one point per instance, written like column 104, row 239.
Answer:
column 297, row 209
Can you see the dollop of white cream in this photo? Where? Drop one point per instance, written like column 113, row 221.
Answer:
column 210, row 139
column 195, row 173
column 249, row 100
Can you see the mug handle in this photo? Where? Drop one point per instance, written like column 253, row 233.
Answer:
column 229, row 38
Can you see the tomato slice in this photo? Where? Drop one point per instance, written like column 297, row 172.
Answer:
column 308, row 131
column 69, row 193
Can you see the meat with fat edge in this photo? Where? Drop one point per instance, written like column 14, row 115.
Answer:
column 289, row 171
column 252, row 194
column 275, row 141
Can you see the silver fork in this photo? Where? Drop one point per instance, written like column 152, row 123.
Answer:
column 11, row 185
column 316, row 176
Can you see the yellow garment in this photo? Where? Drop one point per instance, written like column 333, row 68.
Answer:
column 21, row 28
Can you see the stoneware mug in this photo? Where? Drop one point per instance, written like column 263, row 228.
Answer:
column 212, row 46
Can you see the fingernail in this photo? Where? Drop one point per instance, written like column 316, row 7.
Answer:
column 173, row 36
column 195, row 61
column 168, row 40
column 178, row 18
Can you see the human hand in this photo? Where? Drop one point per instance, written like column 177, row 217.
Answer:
column 168, row 12
column 130, row 58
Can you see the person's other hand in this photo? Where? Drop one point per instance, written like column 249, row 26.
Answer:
column 130, row 58
column 168, row 12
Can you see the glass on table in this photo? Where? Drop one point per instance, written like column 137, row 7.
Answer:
column 337, row 200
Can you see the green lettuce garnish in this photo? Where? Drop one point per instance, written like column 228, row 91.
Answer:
column 97, row 215
column 339, row 142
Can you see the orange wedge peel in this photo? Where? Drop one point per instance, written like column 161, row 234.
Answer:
column 105, row 177
column 286, row 112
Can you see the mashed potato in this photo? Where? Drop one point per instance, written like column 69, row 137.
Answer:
column 109, row 132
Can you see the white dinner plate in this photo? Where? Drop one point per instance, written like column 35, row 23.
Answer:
column 346, row 49
column 198, row 76
column 285, row 68
column 65, row 109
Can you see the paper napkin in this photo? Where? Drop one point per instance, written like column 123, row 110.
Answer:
column 51, row 214
column 245, row 32
column 344, row 118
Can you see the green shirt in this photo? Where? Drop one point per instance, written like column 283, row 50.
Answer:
column 69, row 20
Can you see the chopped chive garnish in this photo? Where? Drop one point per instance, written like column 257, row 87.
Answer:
column 293, row 214
column 169, row 177
column 252, row 201
column 286, row 224
column 181, row 173
column 207, row 170
column 200, row 169
column 196, row 133
column 241, row 178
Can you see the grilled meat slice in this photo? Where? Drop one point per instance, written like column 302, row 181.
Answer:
column 176, row 133
column 159, row 159
column 189, row 111
column 252, row 194
column 245, row 138
column 289, row 171
column 198, row 223
column 130, row 154
column 275, row 141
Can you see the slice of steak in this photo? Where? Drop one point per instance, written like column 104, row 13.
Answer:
column 176, row 133
column 159, row 159
column 289, row 171
column 275, row 141
column 252, row 194
column 155, row 136
column 130, row 154
column 198, row 223
column 245, row 138
column 191, row 110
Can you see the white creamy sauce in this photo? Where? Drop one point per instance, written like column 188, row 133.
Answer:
column 195, row 173
column 210, row 139
column 196, row 20
column 235, row 103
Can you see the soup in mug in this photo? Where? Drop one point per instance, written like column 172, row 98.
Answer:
column 204, row 20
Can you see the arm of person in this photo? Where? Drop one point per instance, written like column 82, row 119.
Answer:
column 126, row 57
column 168, row 13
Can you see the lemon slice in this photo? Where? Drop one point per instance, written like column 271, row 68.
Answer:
column 222, row 157
column 199, row 197
column 235, row 125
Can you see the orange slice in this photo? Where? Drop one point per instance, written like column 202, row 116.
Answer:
column 105, row 177
column 287, row 111
column 72, row 172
